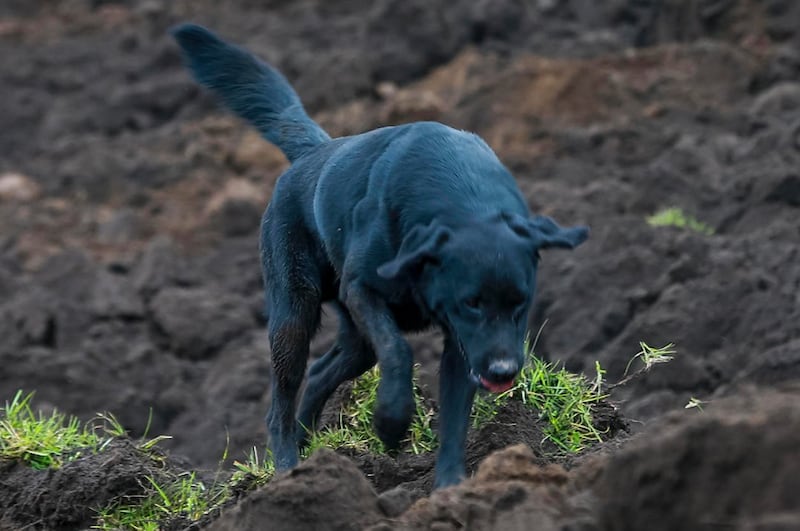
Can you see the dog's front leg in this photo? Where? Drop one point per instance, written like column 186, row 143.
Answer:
column 456, row 393
column 395, row 359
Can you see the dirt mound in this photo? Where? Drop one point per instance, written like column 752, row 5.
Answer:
column 347, row 489
column 68, row 497
column 731, row 463
column 409, row 476
column 735, row 464
column 325, row 492
column 510, row 490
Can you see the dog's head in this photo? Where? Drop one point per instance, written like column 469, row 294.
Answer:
column 479, row 282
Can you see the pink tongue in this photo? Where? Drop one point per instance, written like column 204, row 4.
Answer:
column 495, row 387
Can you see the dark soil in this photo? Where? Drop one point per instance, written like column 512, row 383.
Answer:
column 130, row 206
column 736, row 465
column 69, row 497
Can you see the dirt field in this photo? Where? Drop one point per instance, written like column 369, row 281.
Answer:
column 129, row 276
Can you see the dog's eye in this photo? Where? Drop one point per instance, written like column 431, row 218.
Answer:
column 473, row 303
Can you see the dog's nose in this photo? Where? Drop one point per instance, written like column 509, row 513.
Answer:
column 502, row 370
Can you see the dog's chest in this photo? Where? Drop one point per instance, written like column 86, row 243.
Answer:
column 410, row 316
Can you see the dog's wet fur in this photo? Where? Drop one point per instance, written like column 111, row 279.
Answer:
column 401, row 228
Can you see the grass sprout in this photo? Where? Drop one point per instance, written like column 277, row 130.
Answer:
column 597, row 385
column 675, row 217
column 651, row 355
column 694, row 403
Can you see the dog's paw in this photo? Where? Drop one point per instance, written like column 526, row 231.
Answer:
column 391, row 423
column 448, row 476
column 285, row 458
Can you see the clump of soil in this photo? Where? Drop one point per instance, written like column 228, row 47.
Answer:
column 510, row 490
column 68, row 497
column 326, row 491
column 735, row 464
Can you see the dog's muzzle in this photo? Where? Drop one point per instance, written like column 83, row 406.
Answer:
column 502, row 372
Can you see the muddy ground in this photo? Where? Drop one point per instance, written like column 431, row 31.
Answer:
column 130, row 204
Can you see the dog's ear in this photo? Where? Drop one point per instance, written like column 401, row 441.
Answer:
column 421, row 245
column 545, row 233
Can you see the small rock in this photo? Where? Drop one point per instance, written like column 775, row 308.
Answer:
column 18, row 187
column 394, row 502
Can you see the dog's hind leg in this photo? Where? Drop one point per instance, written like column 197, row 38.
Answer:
column 456, row 391
column 395, row 359
column 294, row 299
column 349, row 358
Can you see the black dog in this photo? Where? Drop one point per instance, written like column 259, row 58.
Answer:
column 400, row 228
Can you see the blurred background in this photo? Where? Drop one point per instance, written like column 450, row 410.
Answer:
column 130, row 202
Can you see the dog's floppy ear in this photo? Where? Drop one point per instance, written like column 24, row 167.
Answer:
column 546, row 233
column 422, row 244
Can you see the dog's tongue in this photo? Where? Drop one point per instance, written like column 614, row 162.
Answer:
column 497, row 387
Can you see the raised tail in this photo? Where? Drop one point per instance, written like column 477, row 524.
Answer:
column 252, row 89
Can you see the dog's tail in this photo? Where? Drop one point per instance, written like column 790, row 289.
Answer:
column 250, row 88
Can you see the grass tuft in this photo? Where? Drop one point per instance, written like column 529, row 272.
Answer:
column 564, row 399
column 354, row 429
column 253, row 471
column 48, row 441
column 675, row 217
column 186, row 497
